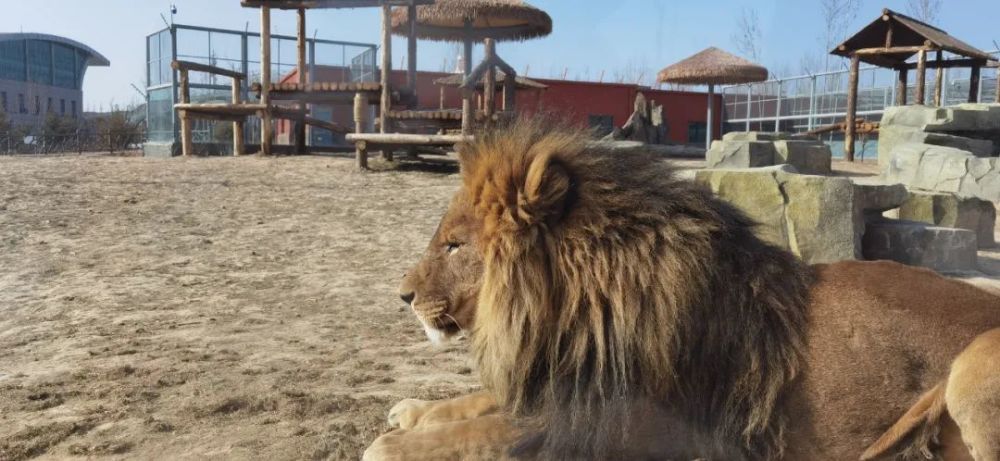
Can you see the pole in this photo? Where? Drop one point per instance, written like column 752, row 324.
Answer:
column 938, row 80
column 300, row 125
column 708, row 116
column 490, row 84
column 852, row 108
column 466, row 71
column 921, row 77
column 411, row 41
column 974, row 84
column 265, row 80
column 901, row 86
column 386, row 102
column 777, row 110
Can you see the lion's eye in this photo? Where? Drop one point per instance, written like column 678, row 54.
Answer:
column 452, row 247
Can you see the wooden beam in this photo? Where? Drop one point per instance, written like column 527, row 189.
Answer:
column 490, row 82
column 938, row 77
column 892, row 50
column 386, row 102
column 238, row 144
column 974, row 84
column 361, row 150
column 888, row 35
column 921, row 77
column 901, row 89
column 852, row 107
column 310, row 4
column 409, row 139
column 265, row 79
column 196, row 67
column 300, row 126
column 949, row 63
column 411, row 42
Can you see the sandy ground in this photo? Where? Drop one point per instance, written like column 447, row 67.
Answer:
column 223, row 308
column 211, row 308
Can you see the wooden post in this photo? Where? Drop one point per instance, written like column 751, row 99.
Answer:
column 938, row 80
column 921, row 76
column 490, row 82
column 411, row 42
column 708, row 125
column 466, row 71
column 509, row 92
column 441, row 102
column 237, row 126
column 386, row 102
column 901, row 86
column 974, row 84
column 300, row 125
column 361, row 149
column 852, row 108
column 187, row 143
column 265, row 80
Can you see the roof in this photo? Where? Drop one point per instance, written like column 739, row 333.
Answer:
column 712, row 66
column 522, row 82
column 501, row 20
column 308, row 4
column 906, row 31
column 93, row 57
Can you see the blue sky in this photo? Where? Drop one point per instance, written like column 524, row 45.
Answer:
column 590, row 36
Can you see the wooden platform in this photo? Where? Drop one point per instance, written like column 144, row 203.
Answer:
column 387, row 141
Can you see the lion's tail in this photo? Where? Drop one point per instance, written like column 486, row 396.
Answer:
column 916, row 433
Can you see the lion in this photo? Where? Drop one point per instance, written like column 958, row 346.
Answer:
column 616, row 312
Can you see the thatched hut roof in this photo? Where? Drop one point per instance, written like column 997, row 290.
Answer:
column 501, row 20
column 522, row 82
column 712, row 66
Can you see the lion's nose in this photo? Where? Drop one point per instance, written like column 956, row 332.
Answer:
column 407, row 297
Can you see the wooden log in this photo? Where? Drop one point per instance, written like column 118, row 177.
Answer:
column 265, row 80
column 892, row 50
column 196, row 67
column 361, row 152
column 237, row 126
column 300, row 126
column 407, row 138
column 938, row 77
column 490, row 79
column 949, row 63
column 921, row 77
column 901, row 76
column 411, row 41
column 466, row 72
column 386, row 102
column 852, row 107
column 187, row 144
column 974, row 84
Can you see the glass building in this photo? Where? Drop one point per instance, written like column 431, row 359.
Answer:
column 41, row 74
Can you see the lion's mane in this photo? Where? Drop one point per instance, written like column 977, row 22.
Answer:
column 609, row 284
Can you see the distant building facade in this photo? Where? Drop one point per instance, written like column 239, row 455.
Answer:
column 42, row 74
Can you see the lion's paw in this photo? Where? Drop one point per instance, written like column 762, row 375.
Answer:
column 407, row 413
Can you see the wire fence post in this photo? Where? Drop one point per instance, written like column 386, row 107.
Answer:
column 777, row 110
column 812, row 103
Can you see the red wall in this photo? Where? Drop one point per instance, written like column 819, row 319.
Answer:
column 572, row 99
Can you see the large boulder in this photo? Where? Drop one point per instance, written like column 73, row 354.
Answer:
column 740, row 154
column 808, row 157
column 944, row 169
column 821, row 219
column 950, row 210
column 759, row 149
column 940, row 248
column 974, row 128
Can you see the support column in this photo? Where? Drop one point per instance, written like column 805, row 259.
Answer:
column 386, row 102
column 777, row 110
column 708, row 116
column 361, row 147
column 490, row 83
column 411, row 42
column 237, row 92
column 852, row 108
column 974, row 84
column 938, row 80
column 901, row 77
column 265, row 80
column 921, row 77
column 187, row 143
column 467, row 94
column 300, row 125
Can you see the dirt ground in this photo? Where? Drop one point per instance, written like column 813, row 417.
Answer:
column 219, row 308
column 212, row 308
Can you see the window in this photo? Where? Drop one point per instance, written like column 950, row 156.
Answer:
column 40, row 61
column 3, row 100
column 12, row 60
column 62, row 106
column 21, row 108
column 697, row 131
column 38, row 105
column 73, row 103
column 64, row 73
column 602, row 124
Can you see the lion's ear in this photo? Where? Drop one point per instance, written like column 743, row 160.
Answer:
column 547, row 188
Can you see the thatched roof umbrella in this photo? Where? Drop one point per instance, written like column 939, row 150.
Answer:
column 468, row 21
column 523, row 83
column 711, row 67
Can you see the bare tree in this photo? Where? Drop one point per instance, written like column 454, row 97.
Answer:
column 747, row 35
column 924, row 10
column 837, row 16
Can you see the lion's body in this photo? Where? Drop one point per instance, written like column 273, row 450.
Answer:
column 610, row 290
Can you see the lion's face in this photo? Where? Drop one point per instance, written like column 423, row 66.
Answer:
column 442, row 288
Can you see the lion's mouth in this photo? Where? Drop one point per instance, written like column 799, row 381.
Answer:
column 439, row 326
